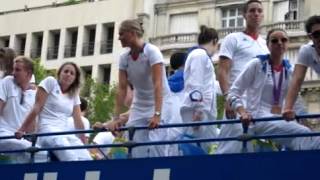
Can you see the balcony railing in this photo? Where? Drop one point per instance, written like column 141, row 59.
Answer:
column 70, row 51
column 52, row 52
column 106, row 46
column 88, row 49
column 35, row 53
column 183, row 38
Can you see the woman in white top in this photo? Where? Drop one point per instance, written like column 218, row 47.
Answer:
column 142, row 66
column 266, row 80
column 56, row 100
column 199, row 89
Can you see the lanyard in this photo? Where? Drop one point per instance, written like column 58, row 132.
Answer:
column 276, row 88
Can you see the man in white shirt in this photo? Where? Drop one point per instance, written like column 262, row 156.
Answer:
column 309, row 56
column 17, row 97
column 236, row 50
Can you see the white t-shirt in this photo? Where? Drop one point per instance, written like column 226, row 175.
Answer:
column 16, row 107
column 85, row 122
column 241, row 48
column 57, row 108
column 309, row 57
column 104, row 138
column 139, row 75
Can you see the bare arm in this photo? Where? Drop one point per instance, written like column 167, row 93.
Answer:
column 223, row 78
column 157, row 84
column 29, row 122
column 224, row 73
column 78, row 124
column 121, row 92
column 296, row 82
column 2, row 104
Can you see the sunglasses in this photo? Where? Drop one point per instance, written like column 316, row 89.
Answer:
column 315, row 34
column 275, row 40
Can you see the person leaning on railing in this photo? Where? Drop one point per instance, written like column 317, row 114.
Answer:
column 16, row 100
column 266, row 80
column 142, row 65
column 236, row 51
column 309, row 56
column 56, row 100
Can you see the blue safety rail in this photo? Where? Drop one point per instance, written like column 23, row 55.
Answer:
column 131, row 130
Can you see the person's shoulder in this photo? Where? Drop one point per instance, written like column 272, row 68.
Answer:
column 8, row 79
column 149, row 48
column 125, row 53
column 307, row 47
column 235, row 35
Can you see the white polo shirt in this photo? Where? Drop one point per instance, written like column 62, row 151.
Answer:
column 139, row 75
column 15, row 109
column 241, row 48
column 309, row 57
column 85, row 122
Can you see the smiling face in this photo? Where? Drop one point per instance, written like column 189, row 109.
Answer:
column 254, row 14
column 278, row 42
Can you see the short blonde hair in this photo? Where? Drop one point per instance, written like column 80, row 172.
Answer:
column 27, row 63
column 133, row 25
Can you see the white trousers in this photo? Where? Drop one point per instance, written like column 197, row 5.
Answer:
column 270, row 128
column 147, row 136
column 66, row 140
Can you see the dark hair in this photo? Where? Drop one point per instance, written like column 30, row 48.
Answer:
column 246, row 6
column 177, row 60
column 311, row 21
column 207, row 34
column 27, row 63
column 74, row 87
column 84, row 104
column 7, row 56
column 274, row 30
column 133, row 25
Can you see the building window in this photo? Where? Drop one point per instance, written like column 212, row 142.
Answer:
column 36, row 45
column 70, row 46
column 293, row 10
column 184, row 23
column 20, row 44
column 107, row 38
column 232, row 17
column 4, row 41
column 88, row 40
column 53, row 44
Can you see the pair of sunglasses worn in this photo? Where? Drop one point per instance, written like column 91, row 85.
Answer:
column 315, row 34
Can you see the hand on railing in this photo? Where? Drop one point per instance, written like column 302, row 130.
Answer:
column 19, row 134
column 289, row 115
column 230, row 113
column 154, row 122
column 246, row 118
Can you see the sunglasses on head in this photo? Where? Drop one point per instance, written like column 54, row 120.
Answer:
column 315, row 34
column 275, row 40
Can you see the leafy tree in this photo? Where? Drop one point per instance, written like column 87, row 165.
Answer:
column 40, row 72
column 101, row 98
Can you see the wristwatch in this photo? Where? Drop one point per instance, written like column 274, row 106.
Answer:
column 157, row 113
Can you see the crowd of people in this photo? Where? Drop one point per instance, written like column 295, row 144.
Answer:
column 252, row 75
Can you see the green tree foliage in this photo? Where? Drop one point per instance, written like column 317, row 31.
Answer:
column 101, row 98
column 220, row 107
column 40, row 72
